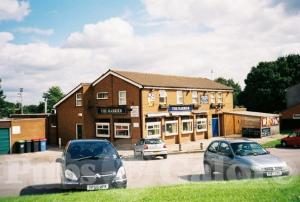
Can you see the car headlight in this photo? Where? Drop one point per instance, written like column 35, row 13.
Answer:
column 121, row 174
column 70, row 175
column 257, row 168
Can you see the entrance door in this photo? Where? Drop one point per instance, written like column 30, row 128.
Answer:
column 79, row 131
column 4, row 141
column 215, row 127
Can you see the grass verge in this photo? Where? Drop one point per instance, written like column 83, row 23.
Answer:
column 273, row 189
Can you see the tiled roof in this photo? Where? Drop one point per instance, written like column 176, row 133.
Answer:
column 171, row 81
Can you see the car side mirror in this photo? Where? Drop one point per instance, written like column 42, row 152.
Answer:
column 121, row 156
column 59, row 160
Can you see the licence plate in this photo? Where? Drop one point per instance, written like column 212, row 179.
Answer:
column 275, row 173
column 97, row 187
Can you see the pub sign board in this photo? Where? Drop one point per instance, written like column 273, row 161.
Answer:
column 112, row 110
column 180, row 108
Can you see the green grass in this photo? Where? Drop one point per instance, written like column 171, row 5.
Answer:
column 272, row 144
column 274, row 189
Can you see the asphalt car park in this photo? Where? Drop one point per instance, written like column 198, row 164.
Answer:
column 39, row 173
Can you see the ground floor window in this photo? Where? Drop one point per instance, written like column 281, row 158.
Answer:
column 171, row 127
column 122, row 130
column 102, row 130
column 79, row 130
column 201, row 124
column 153, row 129
column 187, row 126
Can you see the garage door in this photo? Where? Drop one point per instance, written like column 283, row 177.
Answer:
column 4, row 141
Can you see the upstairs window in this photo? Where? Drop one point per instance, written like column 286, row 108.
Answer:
column 179, row 97
column 194, row 97
column 162, row 97
column 78, row 99
column 102, row 95
column 220, row 98
column 102, row 130
column 212, row 98
column 122, row 97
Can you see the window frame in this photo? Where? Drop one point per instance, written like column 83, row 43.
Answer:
column 124, row 102
column 102, row 124
column 122, row 124
column 179, row 95
column 219, row 97
column 221, row 152
column 171, row 122
column 153, row 124
column 212, row 97
column 78, row 100
column 163, row 94
column 201, row 119
column 194, row 97
column 217, row 150
column 79, row 124
column 99, row 98
column 187, row 121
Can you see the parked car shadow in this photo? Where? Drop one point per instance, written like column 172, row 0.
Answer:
column 202, row 178
column 139, row 158
column 42, row 189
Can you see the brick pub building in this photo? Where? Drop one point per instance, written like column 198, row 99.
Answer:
column 124, row 106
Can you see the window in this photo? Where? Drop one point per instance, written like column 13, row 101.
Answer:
column 171, row 127
column 224, row 149
column 79, row 130
column 78, row 99
column 102, row 130
column 122, row 97
column 187, row 126
column 102, row 95
column 194, row 97
column 162, row 97
column 122, row 130
column 201, row 124
column 179, row 97
column 212, row 98
column 153, row 129
column 213, row 147
column 220, row 98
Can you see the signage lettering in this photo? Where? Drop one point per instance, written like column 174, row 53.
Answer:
column 180, row 108
column 111, row 110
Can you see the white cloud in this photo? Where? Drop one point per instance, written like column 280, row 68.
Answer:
column 33, row 30
column 14, row 9
column 5, row 37
column 183, row 37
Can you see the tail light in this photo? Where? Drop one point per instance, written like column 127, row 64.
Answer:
column 145, row 146
column 165, row 146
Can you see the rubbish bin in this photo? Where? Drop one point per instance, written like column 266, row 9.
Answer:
column 35, row 145
column 28, row 146
column 20, row 146
column 43, row 142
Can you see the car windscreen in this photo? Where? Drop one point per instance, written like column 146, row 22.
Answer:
column 248, row 149
column 153, row 141
column 89, row 149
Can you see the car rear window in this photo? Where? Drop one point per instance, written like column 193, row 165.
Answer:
column 78, row 150
column 153, row 141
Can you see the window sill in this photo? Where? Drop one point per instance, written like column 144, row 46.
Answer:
column 122, row 137
column 171, row 134
column 102, row 136
column 199, row 131
column 153, row 136
column 186, row 132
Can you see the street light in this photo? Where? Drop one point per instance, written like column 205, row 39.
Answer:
column 21, row 99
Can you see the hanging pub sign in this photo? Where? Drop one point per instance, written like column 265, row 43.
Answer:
column 203, row 99
column 180, row 108
column 112, row 110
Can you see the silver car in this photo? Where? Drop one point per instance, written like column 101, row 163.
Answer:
column 238, row 159
column 147, row 148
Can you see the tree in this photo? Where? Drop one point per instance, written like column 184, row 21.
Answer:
column 236, row 88
column 266, row 84
column 53, row 95
column 6, row 108
column 33, row 109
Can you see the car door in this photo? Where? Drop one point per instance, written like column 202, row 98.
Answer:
column 211, row 154
column 224, row 160
column 291, row 140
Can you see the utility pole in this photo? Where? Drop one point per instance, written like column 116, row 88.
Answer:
column 212, row 74
column 46, row 99
column 21, row 99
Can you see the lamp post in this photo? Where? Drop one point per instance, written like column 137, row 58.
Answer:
column 21, row 99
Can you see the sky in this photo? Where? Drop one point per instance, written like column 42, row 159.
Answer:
column 66, row 42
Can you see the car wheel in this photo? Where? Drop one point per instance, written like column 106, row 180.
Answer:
column 283, row 144
column 239, row 174
column 165, row 156
column 208, row 170
column 144, row 157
